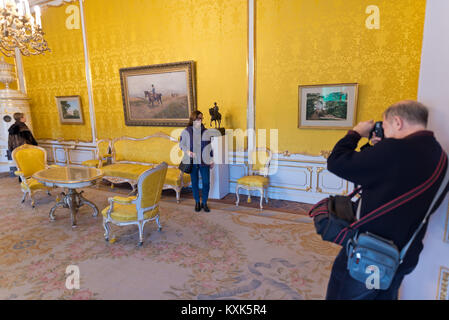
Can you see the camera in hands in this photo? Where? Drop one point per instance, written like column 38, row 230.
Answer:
column 378, row 130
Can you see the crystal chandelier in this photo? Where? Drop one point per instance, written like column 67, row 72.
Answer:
column 20, row 29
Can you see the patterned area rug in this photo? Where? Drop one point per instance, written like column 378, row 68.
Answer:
column 273, row 204
column 228, row 253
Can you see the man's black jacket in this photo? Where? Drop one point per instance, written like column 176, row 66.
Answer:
column 386, row 171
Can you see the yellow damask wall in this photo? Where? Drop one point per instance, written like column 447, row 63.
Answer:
column 306, row 42
column 297, row 42
column 60, row 72
column 138, row 33
column 129, row 33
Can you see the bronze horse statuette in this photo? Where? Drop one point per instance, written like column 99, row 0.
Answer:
column 215, row 115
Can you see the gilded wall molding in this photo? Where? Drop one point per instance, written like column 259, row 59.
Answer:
column 443, row 280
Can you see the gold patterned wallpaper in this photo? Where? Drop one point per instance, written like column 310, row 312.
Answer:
column 138, row 33
column 297, row 42
column 135, row 33
column 305, row 42
column 60, row 72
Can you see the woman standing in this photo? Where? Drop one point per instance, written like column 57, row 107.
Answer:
column 193, row 145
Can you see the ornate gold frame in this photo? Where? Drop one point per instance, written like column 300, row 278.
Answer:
column 65, row 121
column 187, row 66
column 356, row 85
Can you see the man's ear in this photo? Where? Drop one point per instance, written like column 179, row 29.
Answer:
column 398, row 123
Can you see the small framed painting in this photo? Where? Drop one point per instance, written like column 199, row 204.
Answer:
column 70, row 111
column 329, row 106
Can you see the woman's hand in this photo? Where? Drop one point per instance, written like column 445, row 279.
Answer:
column 191, row 154
column 212, row 165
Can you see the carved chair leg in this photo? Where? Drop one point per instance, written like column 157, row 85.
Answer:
column 25, row 195
column 140, row 226
column 158, row 222
column 33, row 202
column 261, row 198
column 107, row 229
column 237, row 196
column 178, row 195
column 266, row 195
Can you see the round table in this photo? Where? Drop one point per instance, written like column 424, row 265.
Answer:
column 70, row 178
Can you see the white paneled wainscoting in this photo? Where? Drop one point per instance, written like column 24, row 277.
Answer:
column 300, row 178
column 296, row 177
column 68, row 152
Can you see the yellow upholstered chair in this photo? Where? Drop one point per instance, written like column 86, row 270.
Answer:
column 29, row 160
column 137, row 209
column 102, row 153
column 256, row 178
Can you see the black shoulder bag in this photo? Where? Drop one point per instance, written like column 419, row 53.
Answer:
column 186, row 167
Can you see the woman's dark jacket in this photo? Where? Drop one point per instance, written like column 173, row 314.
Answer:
column 19, row 134
column 189, row 142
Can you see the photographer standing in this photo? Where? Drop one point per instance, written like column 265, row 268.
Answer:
column 408, row 157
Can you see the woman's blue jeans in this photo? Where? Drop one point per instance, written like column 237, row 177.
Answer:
column 205, row 177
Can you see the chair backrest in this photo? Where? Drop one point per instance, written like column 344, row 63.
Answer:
column 260, row 159
column 153, row 149
column 30, row 159
column 103, row 148
column 150, row 186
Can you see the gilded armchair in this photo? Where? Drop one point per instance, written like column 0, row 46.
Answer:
column 137, row 209
column 102, row 153
column 30, row 159
column 256, row 175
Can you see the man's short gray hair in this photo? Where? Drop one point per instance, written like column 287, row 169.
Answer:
column 413, row 112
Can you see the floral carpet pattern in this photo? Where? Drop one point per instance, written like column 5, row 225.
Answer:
column 228, row 253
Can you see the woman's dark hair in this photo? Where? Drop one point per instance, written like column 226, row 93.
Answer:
column 194, row 116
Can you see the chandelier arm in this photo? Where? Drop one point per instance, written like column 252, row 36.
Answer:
column 20, row 32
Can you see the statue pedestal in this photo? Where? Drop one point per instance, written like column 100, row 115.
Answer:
column 222, row 131
column 219, row 174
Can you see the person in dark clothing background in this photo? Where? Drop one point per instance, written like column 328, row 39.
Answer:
column 19, row 133
column 408, row 157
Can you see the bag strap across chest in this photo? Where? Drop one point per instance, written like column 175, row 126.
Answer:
column 395, row 203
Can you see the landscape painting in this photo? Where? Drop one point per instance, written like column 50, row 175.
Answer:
column 328, row 106
column 158, row 95
column 69, row 109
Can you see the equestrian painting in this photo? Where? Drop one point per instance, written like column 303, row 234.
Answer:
column 160, row 95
